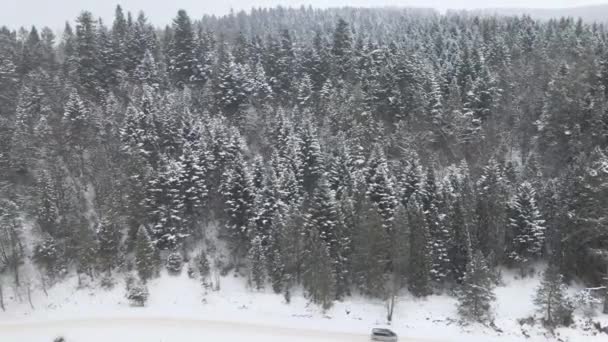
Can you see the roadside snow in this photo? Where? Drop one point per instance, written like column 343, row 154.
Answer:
column 178, row 309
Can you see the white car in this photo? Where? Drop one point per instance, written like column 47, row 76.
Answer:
column 384, row 335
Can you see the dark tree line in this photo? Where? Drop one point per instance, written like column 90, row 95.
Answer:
column 343, row 150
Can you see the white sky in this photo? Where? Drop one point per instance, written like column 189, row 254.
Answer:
column 54, row 13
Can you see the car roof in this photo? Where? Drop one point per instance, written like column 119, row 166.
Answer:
column 382, row 330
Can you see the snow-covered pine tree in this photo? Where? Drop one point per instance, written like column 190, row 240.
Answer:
column 181, row 58
column 420, row 250
column 310, row 157
column 145, row 255
column 380, row 186
column 174, row 263
column 11, row 238
column 77, row 125
column 166, row 205
column 371, row 248
column 491, row 219
column 48, row 213
column 87, row 52
column 318, row 277
column 109, row 239
column 526, row 225
column 239, row 197
column 476, row 294
column 257, row 261
column 438, row 230
column 147, row 71
column 552, row 300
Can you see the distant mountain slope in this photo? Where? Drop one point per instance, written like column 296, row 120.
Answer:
column 596, row 13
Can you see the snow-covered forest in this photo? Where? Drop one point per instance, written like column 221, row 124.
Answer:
column 339, row 151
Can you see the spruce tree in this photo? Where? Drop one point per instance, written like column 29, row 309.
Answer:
column 87, row 52
column 145, row 255
column 257, row 261
column 238, row 195
column 318, row 277
column 420, row 250
column 476, row 293
column 182, row 61
column 109, row 238
column 527, row 226
column 552, row 300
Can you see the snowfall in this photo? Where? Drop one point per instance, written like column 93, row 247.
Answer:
column 178, row 310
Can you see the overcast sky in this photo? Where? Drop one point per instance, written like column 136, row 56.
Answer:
column 54, row 13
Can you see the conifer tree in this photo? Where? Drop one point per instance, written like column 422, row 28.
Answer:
column 109, row 238
column 145, row 255
column 318, row 277
column 238, row 194
column 370, row 246
column 342, row 47
column 552, row 300
column 257, row 260
column 48, row 213
column 527, row 226
column 438, row 230
column 87, row 52
column 182, row 61
column 476, row 294
column 420, row 250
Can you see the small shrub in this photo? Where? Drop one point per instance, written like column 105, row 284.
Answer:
column 107, row 283
column 137, row 294
column 191, row 271
column 203, row 264
column 588, row 302
column 175, row 263
column 59, row 339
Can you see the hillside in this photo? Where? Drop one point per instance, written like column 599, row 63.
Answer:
column 323, row 156
column 596, row 13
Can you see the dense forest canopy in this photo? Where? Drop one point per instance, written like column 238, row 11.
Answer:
column 343, row 150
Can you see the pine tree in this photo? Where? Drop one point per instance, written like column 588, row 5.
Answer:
column 182, row 60
column 527, row 226
column 438, row 230
column 237, row 191
column 476, row 294
column 310, row 157
column 147, row 71
column 458, row 250
column 119, row 35
column 77, row 129
column 257, row 260
column 145, row 255
column 490, row 212
column 11, row 238
column 165, row 203
column 370, row 246
column 87, row 52
column 552, row 300
column 109, row 238
column 380, row 186
column 175, row 262
column 342, row 47
column 420, row 250
column 318, row 277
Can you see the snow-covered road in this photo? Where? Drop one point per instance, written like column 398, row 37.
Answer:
column 164, row 330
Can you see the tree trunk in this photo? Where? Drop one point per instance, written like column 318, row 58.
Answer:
column 606, row 300
column 1, row 299
column 16, row 270
column 29, row 296
column 390, row 308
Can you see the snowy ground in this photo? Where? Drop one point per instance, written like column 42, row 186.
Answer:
column 176, row 313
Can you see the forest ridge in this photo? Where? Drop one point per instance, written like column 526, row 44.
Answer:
column 341, row 150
